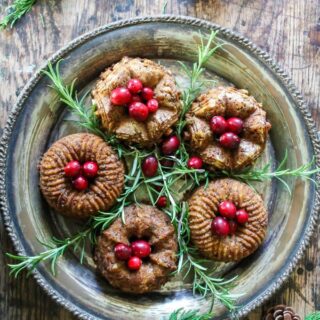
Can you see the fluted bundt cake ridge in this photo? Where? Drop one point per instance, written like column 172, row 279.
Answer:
column 57, row 188
column 203, row 207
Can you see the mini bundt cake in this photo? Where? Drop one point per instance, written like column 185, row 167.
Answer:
column 141, row 222
column 250, row 137
column 81, row 198
column 237, row 235
column 116, row 119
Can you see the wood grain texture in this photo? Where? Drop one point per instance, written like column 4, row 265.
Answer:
column 288, row 29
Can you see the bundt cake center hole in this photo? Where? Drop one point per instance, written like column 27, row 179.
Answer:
column 134, row 238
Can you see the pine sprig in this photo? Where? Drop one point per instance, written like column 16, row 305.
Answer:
column 18, row 9
column 182, row 314
column 56, row 248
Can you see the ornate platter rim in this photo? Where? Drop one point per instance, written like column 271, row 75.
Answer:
column 256, row 52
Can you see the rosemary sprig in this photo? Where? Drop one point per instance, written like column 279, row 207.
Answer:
column 133, row 181
column 18, row 9
column 205, row 52
column 164, row 7
column 189, row 262
column 305, row 171
column 182, row 314
column 56, row 248
column 69, row 97
column 313, row 316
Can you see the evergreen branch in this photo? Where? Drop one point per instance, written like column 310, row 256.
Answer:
column 18, row 9
column 182, row 314
column 56, row 248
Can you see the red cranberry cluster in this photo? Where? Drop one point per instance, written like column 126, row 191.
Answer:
column 229, row 219
column 80, row 174
column 137, row 98
column 227, row 130
column 133, row 253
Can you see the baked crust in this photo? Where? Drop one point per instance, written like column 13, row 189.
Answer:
column 203, row 206
column 115, row 119
column 102, row 191
column 227, row 102
column 142, row 222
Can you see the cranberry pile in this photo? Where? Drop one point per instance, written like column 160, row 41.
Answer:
column 230, row 217
column 227, row 130
column 133, row 253
column 138, row 99
column 81, row 174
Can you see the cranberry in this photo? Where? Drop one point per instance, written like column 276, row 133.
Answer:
column 72, row 169
column 195, row 163
column 138, row 111
column 90, row 169
column 227, row 209
column 235, row 125
column 120, row 96
column 135, row 85
column 141, row 248
column 153, row 105
column 242, row 216
column 170, row 145
column 147, row 93
column 218, row 124
column 136, row 98
column 162, row 202
column 229, row 140
column 134, row 263
column 150, row 166
column 167, row 163
column 220, row 226
column 122, row 251
column 80, row 183
column 233, row 227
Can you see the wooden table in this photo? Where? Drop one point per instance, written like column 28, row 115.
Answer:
column 288, row 29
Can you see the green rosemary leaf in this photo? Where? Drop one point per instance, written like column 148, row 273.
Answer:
column 68, row 96
column 18, row 9
column 313, row 316
column 164, row 7
column 182, row 314
column 190, row 263
column 303, row 172
column 52, row 254
column 205, row 52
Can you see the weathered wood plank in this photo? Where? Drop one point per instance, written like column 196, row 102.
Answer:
column 288, row 29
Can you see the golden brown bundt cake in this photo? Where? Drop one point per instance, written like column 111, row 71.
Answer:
column 205, row 206
column 141, row 222
column 227, row 102
column 116, row 120
column 99, row 194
